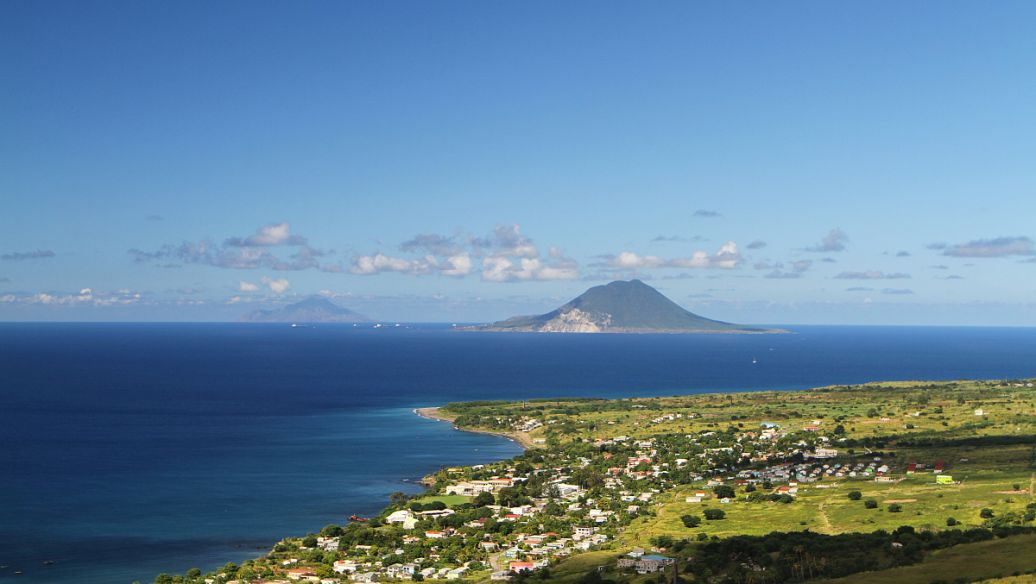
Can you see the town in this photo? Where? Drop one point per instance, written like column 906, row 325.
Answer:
column 630, row 488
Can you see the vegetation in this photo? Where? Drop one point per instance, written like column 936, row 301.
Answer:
column 819, row 485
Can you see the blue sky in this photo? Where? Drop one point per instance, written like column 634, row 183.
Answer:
column 465, row 161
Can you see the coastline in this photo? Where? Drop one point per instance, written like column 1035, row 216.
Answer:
column 521, row 438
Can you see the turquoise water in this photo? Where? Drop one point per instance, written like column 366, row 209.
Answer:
column 129, row 450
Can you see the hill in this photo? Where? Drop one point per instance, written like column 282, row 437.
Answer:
column 619, row 307
column 314, row 309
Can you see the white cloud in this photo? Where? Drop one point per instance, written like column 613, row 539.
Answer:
column 506, row 255
column 457, row 265
column 502, row 269
column 267, row 235
column 85, row 297
column 369, row 265
column 727, row 257
column 247, row 287
column 278, row 285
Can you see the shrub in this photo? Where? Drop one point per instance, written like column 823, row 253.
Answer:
column 870, row 504
column 895, row 508
column 714, row 514
column 690, row 521
column 986, row 513
column 855, row 495
column 950, row 522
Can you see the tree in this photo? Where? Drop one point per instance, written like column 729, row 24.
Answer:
column 986, row 513
column 331, row 531
column 870, row 504
column 483, row 499
column 855, row 495
column 398, row 498
column 895, row 508
column 193, row 573
column 714, row 514
column 309, row 541
column 950, row 522
column 690, row 521
column 724, row 491
column 663, row 541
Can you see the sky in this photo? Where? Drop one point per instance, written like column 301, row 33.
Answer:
column 758, row 162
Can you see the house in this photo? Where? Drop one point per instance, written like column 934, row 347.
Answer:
column 300, row 573
column 366, row 577
column 404, row 516
column 645, row 565
column 344, row 567
column 516, row 567
column 401, row 570
column 581, row 532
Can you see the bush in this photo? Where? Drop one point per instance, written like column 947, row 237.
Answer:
column 870, row 504
column 986, row 513
column 715, row 514
column 855, row 495
column 690, row 521
column 950, row 522
column 895, row 508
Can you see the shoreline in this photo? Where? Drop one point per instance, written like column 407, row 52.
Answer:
column 521, row 438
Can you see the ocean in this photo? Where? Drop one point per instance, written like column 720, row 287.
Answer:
column 127, row 450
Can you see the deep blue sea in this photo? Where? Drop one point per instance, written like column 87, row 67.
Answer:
column 132, row 449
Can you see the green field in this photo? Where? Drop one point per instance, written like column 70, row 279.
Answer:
column 448, row 500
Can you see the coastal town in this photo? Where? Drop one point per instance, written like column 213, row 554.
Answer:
column 636, row 484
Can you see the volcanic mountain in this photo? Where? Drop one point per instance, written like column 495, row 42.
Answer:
column 619, row 307
column 314, row 309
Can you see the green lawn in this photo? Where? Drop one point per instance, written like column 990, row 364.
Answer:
column 449, row 500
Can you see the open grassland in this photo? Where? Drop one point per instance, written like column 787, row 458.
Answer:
column 989, row 481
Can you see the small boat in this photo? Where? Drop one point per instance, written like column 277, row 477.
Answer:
column 358, row 519
column 754, row 361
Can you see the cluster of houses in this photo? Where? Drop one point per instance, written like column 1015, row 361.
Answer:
column 627, row 474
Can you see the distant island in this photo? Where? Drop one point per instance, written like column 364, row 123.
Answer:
column 619, row 307
column 310, row 310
